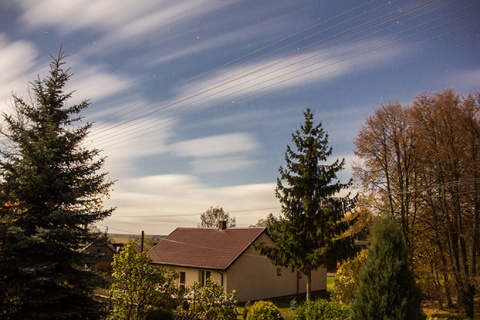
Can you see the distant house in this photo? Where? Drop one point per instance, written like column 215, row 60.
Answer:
column 104, row 252
column 228, row 256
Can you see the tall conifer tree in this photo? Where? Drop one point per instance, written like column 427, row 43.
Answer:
column 387, row 287
column 50, row 192
column 312, row 227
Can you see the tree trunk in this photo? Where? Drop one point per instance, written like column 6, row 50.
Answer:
column 308, row 276
column 466, row 300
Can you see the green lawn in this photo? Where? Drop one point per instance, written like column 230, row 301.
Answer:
column 285, row 303
column 330, row 286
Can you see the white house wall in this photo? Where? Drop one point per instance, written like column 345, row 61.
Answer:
column 192, row 275
column 255, row 278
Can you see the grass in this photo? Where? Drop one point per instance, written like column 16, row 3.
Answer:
column 284, row 303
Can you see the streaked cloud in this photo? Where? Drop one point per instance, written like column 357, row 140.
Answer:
column 469, row 79
column 161, row 203
column 216, row 145
column 280, row 73
column 96, row 83
column 16, row 61
column 221, row 164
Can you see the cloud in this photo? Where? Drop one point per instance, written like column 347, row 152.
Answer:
column 116, row 23
column 162, row 17
column 96, row 83
column 222, row 164
column 469, row 79
column 220, row 153
column 125, row 150
column 281, row 73
column 159, row 204
column 250, row 78
column 68, row 16
column 16, row 61
column 243, row 34
column 216, row 145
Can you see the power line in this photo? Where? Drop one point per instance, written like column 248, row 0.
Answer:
column 157, row 122
column 223, row 81
column 266, row 47
column 153, row 124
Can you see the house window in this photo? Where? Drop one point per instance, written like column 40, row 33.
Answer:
column 182, row 280
column 279, row 271
column 204, row 275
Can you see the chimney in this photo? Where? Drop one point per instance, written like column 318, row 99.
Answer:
column 222, row 224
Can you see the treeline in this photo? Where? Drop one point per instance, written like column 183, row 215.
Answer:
column 421, row 163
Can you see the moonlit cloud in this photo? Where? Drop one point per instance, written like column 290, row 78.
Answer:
column 269, row 76
column 216, row 145
column 468, row 78
column 123, row 153
column 217, row 42
column 278, row 74
column 16, row 60
column 168, row 201
column 222, row 164
column 96, row 83
column 68, row 16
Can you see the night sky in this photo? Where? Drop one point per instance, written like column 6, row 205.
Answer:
column 194, row 102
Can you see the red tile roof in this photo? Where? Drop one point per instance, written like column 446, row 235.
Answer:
column 205, row 248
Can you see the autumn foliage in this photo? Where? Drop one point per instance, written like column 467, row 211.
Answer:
column 421, row 163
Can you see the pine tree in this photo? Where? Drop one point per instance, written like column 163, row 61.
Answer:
column 50, row 192
column 387, row 287
column 312, row 227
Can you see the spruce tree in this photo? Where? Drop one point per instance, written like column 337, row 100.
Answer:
column 387, row 287
column 50, row 192
column 312, row 227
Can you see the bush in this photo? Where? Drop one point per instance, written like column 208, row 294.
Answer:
column 346, row 277
column 211, row 301
column 322, row 309
column 263, row 310
column 159, row 315
column 387, row 287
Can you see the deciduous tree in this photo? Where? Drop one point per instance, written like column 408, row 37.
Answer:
column 388, row 171
column 140, row 288
column 421, row 163
column 211, row 218
column 312, row 227
column 449, row 127
column 51, row 190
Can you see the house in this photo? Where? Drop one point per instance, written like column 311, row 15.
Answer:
column 103, row 252
column 229, row 257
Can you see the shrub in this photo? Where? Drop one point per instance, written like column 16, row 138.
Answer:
column 387, row 287
column 322, row 309
column 159, row 315
column 346, row 277
column 263, row 310
column 212, row 302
